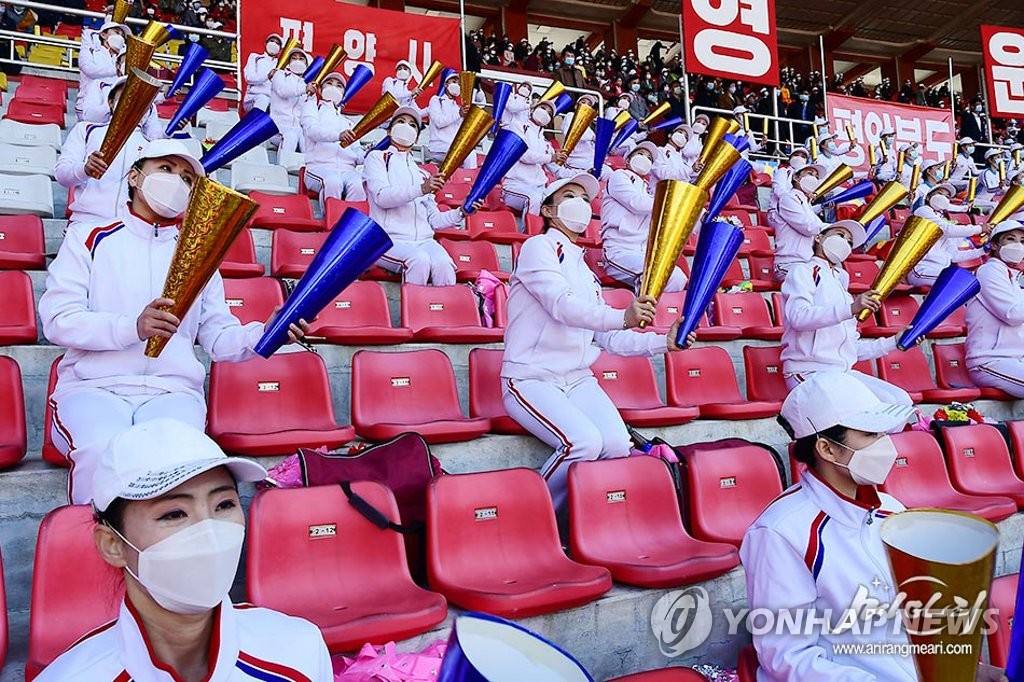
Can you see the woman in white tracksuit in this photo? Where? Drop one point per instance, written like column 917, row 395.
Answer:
column 401, row 197
column 555, row 316
column 963, row 166
column 795, row 220
column 517, row 108
column 782, row 179
column 995, row 317
column 819, row 316
column 259, row 68
column 523, row 187
column 626, row 220
column 830, row 155
column 103, row 302
column 331, row 170
column 989, row 187
column 446, row 116
column 581, row 159
column 288, row 94
column 947, row 250
column 170, row 521
column 674, row 160
column 885, row 156
column 398, row 86
column 99, row 59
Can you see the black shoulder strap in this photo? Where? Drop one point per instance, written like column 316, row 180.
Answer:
column 377, row 517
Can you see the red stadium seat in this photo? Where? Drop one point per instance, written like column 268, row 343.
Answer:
column 670, row 309
column 13, row 436
column 410, row 391
column 445, row 314
column 26, row 111
column 467, row 175
column 633, row 388
column 747, row 665
column 749, row 312
column 762, row 267
column 287, row 212
column 755, row 240
column 51, row 454
column 979, row 462
column 292, row 252
column 485, row 391
column 253, row 299
column 472, row 257
column 336, row 207
column 1016, row 429
column 501, row 306
column 862, row 275
column 22, row 244
column 898, row 311
column 70, row 598
column 732, row 214
column 624, row 515
column 728, row 490
column 734, row 275
column 951, row 371
column 18, row 312
column 919, row 479
column 358, row 316
column 595, row 261
column 352, row 596
column 674, row 674
column 492, row 546
column 909, row 370
column 272, row 407
column 765, row 380
column 704, row 377
column 3, row 618
column 1003, row 599
column 240, row 260
column 453, row 194
column 494, row 226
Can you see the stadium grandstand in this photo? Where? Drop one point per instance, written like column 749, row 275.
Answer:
column 315, row 230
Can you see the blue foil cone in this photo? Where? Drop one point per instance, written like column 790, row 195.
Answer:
column 172, row 33
column 382, row 145
column 604, row 130
column 668, row 124
column 741, row 143
column 501, row 635
column 563, row 103
column 628, row 129
column 874, row 228
column 361, row 75
column 718, row 245
column 207, row 86
column 953, row 288
column 1015, row 659
column 194, row 57
column 354, row 244
column 313, row 70
column 445, row 74
column 726, row 188
column 502, row 91
column 254, row 129
column 858, row 191
column 507, row 149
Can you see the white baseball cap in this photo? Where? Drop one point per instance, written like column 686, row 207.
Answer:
column 152, row 458
column 740, row 110
column 114, row 24
column 828, row 399
column 887, row 131
column 825, row 137
column 855, row 229
column 993, row 152
column 646, row 146
column 160, row 148
column 587, row 181
column 1006, row 226
column 409, row 111
column 965, row 141
column 942, row 185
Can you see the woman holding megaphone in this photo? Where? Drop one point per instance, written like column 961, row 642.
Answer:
column 936, row 208
column 794, row 219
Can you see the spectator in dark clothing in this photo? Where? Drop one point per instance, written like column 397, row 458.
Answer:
column 569, row 73
column 707, row 96
column 974, row 126
column 801, row 109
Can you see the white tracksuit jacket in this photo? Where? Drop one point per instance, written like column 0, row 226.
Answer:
column 100, row 282
column 287, row 95
column 445, row 119
column 322, row 126
column 886, row 163
column 400, row 90
column 815, row 548
column 529, row 170
column 819, row 330
column 995, row 317
column 582, row 157
column 257, row 76
column 94, row 62
column 252, row 644
column 397, row 202
column 626, row 213
column 962, row 171
column 556, row 314
column 517, row 112
column 947, row 250
column 988, row 187
column 672, row 164
column 796, row 226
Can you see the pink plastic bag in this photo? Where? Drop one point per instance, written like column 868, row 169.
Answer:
column 486, row 284
column 660, row 450
column 387, row 665
column 288, row 472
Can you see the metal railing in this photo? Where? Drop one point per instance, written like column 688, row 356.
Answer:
column 768, row 126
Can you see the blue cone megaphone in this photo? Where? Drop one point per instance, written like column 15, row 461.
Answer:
column 194, row 57
column 563, row 103
column 727, row 187
column 361, row 75
column 953, row 288
column 604, row 129
column 313, row 70
column 207, row 86
column 445, row 75
column 507, row 149
column 502, row 91
column 741, row 143
column 628, row 129
column 874, row 228
column 717, row 246
column 668, row 123
column 858, row 191
column 254, row 129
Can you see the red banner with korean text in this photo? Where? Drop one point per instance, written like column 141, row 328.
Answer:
column 378, row 38
column 933, row 129
column 732, row 39
column 1004, row 70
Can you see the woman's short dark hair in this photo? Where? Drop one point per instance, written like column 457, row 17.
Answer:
column 804, row 448
column 114, row 514
column 131, row 190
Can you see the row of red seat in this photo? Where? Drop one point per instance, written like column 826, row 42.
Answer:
column 39, row 101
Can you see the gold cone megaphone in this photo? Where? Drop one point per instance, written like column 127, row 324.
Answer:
column 385, row 107
column 942, row 562
column 972, row 189
column 140, row 89
column 430, row 76
column 946, row 169
column 156, row 33
column 121, row 10
column 1002, row 172
column 915, row 178
column 913, row 242
column 621, row 119
column 841, row 174
column 1008, row 205
column 473, row 129
column 872, row 156
column 719, row 160
column 850, row 134
column 890, row 195
column 677, row 205
column 286, row 52
column 213, row 219
column 467, row 81
column 901, row 160
column 658, row 112
column 331, row 61
column 720, row 126
column 554, row 90
column 581, row 120
column 813, row 148
column 138, row 54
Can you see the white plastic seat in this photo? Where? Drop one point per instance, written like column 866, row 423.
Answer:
column 248, row 177
column 18, row 160
column 215, row 130
column 31, row 194
column 292, row 161
column 257, row 156
column 29, row 135
column 205, row 117
column 194, row 146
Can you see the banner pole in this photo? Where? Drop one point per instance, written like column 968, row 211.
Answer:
column 775, row 113
column 984, row 98
column 462, row 37
column 686, row 76
column 952, row 96
column 824, row 78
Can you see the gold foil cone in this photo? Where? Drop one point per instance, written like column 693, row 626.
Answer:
column 942, row 562
column 1016, row 157
column 431, row 75
column 140, row 90
column 813, row 148
column 915, row 177
column 890, row 195
column 946, row 169
column 659, row 111
column 956, row 150
column 716, row 131
column 621, row 119
column 554, row 90
column 901, row 160
column 385, row 107
column 214, row 218
column 581, row 120
column 677, row 205
column 331, row 62
column 1002, row 172
column 849, row 134
column 138, row 54
column 913, row 242
column 474, row 128
column 286, row 52
column 723, row 157
column 841, row 174
column 467, row 81
column 156, row 33
column 1008, row 205
column 872, row 156
column 121, row 10
column 972, row 188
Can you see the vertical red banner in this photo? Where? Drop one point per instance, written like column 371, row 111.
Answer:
column 1004, row 70
column 734, row 39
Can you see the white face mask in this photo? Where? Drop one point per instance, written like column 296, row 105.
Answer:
column 871, row 465
column 297, row 67
column 836, row 248
column 115, row 42
column 165, row 193
column 191, row 571
column 808, row 183
column 699, row 128
column 679, row 140
column 830, row 147
column 797, row 162
column 404, row 134
column 403, row 74
column 541, row 117
column 623, row 104
column 332, row 93
column 1012, row 253
column 454, row 89
column 574, row 214
column 940, row 202
column 640, row 164
column 273, row 49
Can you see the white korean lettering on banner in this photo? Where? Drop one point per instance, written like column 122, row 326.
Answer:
column 731, row 38
column 302, row 30
column 1007, row 73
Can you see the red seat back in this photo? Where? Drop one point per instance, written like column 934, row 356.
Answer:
column 362, row 303
column 19, row 303
column 253, row 299
column 485, row 383
column 861, row 271
column 1002, row 598
column 334, row 209
column 50, row 453
column 74, row 590
column 412, row 387
column 453, row 193
column 620, row 298
column 762, row 266
column 25, row 111
column 472, row 255
column 13, row 435
column 481, row 223
column 699, row 376
column 670, row 307
column 628, row 381
column 765, row 380
column 501, row 306
column 425, row 306
column 755, row 239
column 242, row 250
column 951, row 366
column 291, row 252
column 281, row 207
column 742, row 310
column 22, row 244
column 897, row 311
column 736, row 215
column 919, row 477
column 906, row 369
column 978, row 458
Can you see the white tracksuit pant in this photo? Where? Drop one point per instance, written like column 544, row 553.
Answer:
column 629, row 268
column 522, row 197
column 1003, row 373
column 578, row 419
column 261, row 102
column 883, row 390
column 336, row 182
column 424, row 262
column 96, row 415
